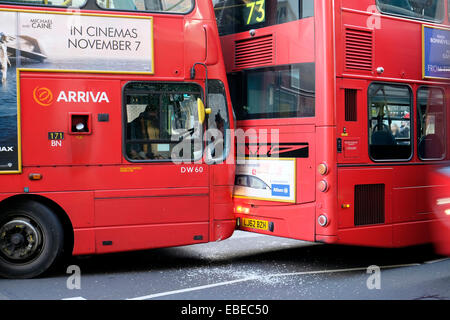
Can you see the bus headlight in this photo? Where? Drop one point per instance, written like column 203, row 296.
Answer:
column 443, row 201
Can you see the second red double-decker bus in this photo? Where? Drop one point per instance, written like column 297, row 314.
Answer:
column 105, row 109
column 344, row 105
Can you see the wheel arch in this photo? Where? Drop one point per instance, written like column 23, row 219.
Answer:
column 60, row 213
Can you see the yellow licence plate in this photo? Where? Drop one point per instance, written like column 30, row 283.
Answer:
column 256, row 224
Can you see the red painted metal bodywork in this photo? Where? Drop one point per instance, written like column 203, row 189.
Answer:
column 440, row 200
column 107, row 199
column 397, row 47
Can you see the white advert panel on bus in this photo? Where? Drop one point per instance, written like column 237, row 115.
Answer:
column 266, row 179
column 79, row 41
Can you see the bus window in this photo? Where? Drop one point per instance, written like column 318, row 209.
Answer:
column 417, row 9
column 172, row 6
column 241, row 15
column 55, row 3
column 218, row 123
column 390, row 119
column 159, row 118
column 274, row 92
column 430, row 123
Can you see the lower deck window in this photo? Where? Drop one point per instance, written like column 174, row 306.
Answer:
column 431, row 123
column 390, row 118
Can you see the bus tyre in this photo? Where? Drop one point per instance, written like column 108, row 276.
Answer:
column 31, row 240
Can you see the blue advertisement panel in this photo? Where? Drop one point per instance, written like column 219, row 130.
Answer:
column 436, row 53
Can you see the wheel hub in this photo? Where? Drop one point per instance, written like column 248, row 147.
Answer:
column 19, row 240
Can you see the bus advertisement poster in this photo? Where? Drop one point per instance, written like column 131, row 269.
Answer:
column 436, row 53
column 64, row 41
column 266, row 179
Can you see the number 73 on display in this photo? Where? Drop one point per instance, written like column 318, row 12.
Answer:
column 257, row 12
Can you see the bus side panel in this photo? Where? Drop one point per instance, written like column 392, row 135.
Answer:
column 155, row 208
column 51, row 138
column 412, row 233
column 411, row 190
column 348, row 178
column 79, row 206
column 396, row 235
column 116, row 239
column 84, row 242
column 223, row 205
column 377, row 236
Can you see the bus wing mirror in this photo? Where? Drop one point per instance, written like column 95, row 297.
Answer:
column 202, row 111
column 212, row 51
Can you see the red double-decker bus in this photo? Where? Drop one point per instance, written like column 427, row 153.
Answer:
column 105, row 109
column 355, row 94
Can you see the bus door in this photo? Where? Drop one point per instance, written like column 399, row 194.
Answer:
column 364, row 191
column 164, row 195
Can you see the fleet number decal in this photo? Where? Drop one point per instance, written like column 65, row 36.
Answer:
column 191, row 169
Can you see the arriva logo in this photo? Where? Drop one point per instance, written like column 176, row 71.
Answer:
column 43, row 96
column 83, row 97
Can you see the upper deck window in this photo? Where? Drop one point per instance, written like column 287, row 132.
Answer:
column 167, row 6
column 274, row 92
column 242, row 15
column 50, row 3
column 417, row 9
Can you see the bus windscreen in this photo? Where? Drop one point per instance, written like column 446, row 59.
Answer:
column 239, row 15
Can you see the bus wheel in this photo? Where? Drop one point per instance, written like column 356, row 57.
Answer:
column 31, row 240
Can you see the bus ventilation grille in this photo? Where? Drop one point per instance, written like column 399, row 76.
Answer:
column 369, row 204
column 359, row 49
column 254, row 52
column 351, row 104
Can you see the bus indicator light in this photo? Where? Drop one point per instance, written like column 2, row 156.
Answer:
column 323, row 169
column 35, row 176
column 240, row 209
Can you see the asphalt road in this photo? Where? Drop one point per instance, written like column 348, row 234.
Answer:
column 246, row 267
